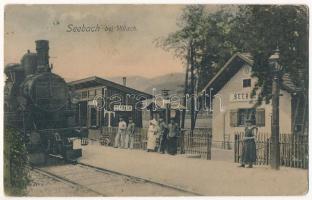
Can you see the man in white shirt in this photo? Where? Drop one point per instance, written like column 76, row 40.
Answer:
column 121, row 133
column 130, row 134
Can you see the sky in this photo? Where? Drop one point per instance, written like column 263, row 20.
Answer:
column 78, row 55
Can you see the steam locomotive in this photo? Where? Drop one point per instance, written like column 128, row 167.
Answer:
column 38, row 104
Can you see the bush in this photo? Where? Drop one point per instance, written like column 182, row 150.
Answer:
column 16, row 172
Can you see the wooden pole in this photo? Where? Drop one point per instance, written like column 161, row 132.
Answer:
column 192, row 89
column 185, row 87
column 275, row 150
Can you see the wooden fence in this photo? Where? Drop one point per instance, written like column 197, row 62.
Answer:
column 293, row 149
column 197, row 142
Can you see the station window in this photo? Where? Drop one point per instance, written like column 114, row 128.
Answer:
column 238, row 117
column 104, row 92
column 99, row 91
column 246, row 83
column 244, row 114
column 91, row 94
column 84, row 94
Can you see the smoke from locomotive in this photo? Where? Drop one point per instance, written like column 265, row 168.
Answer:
column 37, row 103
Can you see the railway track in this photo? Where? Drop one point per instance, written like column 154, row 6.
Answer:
column 103, row 182
column 66, row 182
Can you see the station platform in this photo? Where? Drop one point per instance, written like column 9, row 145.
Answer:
column 205, row 177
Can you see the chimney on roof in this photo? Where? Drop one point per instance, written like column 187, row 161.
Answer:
column 124, row 81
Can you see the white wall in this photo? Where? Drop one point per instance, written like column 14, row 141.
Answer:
column 221, row 120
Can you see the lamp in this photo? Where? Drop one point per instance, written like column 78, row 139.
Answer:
column 274, row 60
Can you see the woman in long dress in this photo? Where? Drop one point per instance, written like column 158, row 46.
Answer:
column 152, row 135
column 172, row 138
column 249, row 154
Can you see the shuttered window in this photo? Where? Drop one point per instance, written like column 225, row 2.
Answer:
column 233, row 118
column 239, row 117
column 260, row 117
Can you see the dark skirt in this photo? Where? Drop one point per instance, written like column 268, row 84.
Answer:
column 249, row 154
column 172, row 145
column 162, row 143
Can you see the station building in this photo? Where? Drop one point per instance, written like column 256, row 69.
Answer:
column 233, row 103
column 102, row 102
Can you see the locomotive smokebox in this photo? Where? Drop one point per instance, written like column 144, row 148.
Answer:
column 42, row 47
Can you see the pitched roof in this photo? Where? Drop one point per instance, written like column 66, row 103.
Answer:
column 233, row 65
column 95, row 81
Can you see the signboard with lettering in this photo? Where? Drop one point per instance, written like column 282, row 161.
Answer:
column 122, row 107
column 242, row 96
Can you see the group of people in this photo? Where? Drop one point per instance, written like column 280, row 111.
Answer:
column 125, row 134
column 161, row 137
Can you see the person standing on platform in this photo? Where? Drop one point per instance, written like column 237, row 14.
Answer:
column 152, row 135
column 120, row 136
column 163, row 128
column 130, row 134
column 172, row 138
column 249, row 154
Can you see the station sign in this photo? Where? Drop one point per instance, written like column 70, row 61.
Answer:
column 242, row 96
column 123, row 108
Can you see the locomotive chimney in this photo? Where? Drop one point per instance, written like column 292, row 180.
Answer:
column 124, row 80
column 42, row 47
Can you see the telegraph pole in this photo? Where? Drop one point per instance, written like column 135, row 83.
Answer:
column 192, row 88
column 275, row 146
column 186, row 86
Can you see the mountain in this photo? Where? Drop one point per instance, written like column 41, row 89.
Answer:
column 172, row 82
column 136, row 82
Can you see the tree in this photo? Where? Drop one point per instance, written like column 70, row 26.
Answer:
column 203, row 43
column 260, row 29
column 218, row 44
column 16, row 176
column 185, row 45
column 210, row 36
